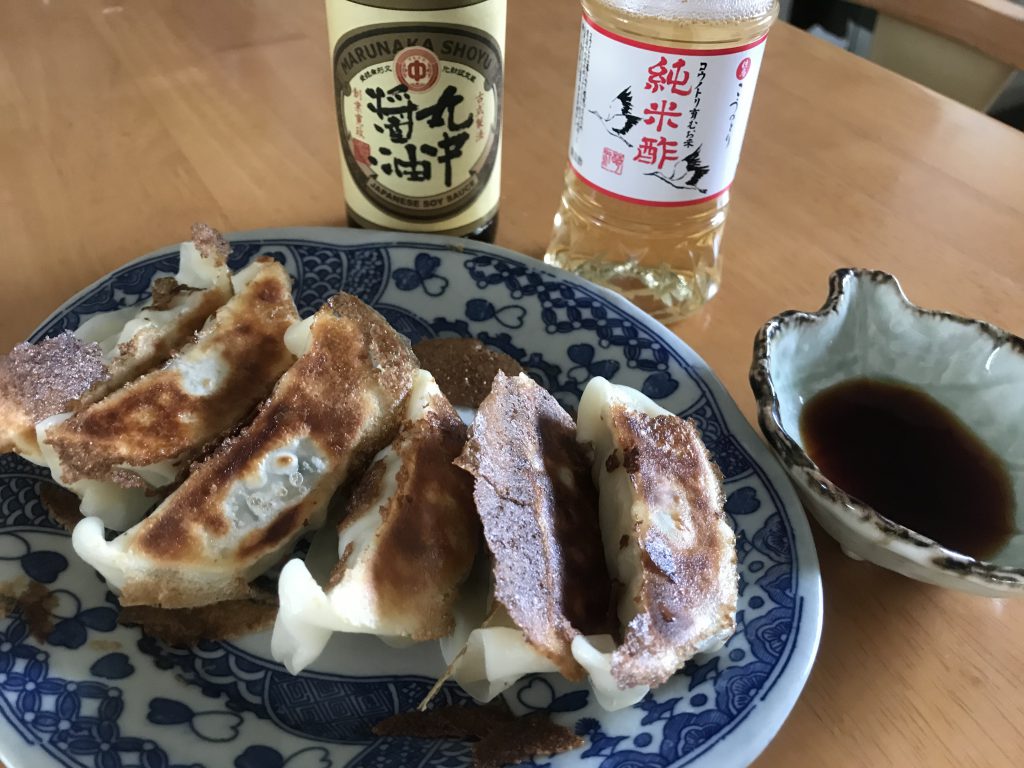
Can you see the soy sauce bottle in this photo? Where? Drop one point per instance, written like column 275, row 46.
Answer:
column 418, row 87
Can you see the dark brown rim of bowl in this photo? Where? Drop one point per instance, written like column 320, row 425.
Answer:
column 794, row 457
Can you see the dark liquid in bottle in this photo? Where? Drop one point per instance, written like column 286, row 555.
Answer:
column 898, row 450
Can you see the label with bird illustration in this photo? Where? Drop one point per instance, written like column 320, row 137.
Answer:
column 657, row 125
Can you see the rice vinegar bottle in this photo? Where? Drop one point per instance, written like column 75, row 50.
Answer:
column 663, row 92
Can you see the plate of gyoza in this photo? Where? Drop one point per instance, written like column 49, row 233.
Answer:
column 326, row 497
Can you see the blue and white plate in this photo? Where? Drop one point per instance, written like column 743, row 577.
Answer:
column 99, row 695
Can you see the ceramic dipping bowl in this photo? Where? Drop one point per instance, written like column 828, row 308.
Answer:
column 868, row 329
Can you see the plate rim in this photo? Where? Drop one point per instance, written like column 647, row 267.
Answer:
column 796, row 670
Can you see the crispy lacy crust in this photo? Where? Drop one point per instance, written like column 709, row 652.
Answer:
column 534, row 735
column 36, row 603
column 210, row 243
column 345, row 392
column 428, row 536
column 62, row 505
column 502, row 739
column 450, row 722
column 156, row 418
column 185, row 627
column 539, row 510
column 683, row 599
column 41, row 380
column 464, row 368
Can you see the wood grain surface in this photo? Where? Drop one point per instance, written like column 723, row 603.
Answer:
column 123, row 123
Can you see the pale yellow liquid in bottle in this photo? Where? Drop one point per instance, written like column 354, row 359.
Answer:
column 666, row 260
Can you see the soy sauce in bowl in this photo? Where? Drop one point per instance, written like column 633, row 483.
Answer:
column 898, row 450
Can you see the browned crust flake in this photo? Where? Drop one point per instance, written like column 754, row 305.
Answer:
column 36, row 603
column 464, row 368
column 210, row 243
column 164, row 291
column 538, row 506
column 502, row 739
column 682, row 599
column 534, row 735
column 41, row 380
column 155, row 418
column 185, row 627
column 449, row 722
column 62, row 504
column 347, row 391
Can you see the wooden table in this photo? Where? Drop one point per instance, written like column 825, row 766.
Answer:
column 122, row 124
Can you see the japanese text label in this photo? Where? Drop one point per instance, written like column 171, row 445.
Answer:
column 419, row 115
column 657, row 125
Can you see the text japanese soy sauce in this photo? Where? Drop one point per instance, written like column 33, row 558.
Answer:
column 663, row 91
column 418, row 89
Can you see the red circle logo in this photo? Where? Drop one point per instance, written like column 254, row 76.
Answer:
column 416, row 68
column 743, row 68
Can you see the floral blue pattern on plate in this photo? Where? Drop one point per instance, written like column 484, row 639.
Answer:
column 99, row 695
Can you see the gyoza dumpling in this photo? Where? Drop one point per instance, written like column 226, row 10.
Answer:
column 535, row 498
column 666, row 541
column 139, row 339
column 405, row 543
column 486, row 651
column 71, row 370
column 140, row 437
column 243, row 507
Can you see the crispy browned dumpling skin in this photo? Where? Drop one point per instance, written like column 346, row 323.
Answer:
column 538, row 506
column 407, row 540
column 665, row 532
column 667, row 460
column 427, row 539
column 146, row 350
column 161, row 416
column 326, row 418
column 42, row 380
column 186, row 627
column 72, row 370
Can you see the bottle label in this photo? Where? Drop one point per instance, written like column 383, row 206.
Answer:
column 419, row 115
column 656, row 125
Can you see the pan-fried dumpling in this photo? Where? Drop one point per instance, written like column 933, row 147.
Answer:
column 243, row 507
column 177, row 308
column 405, row 543
column 141, row 436
column 71, row 370
column 486, row 652
column 535, row 498
column 666, row 541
